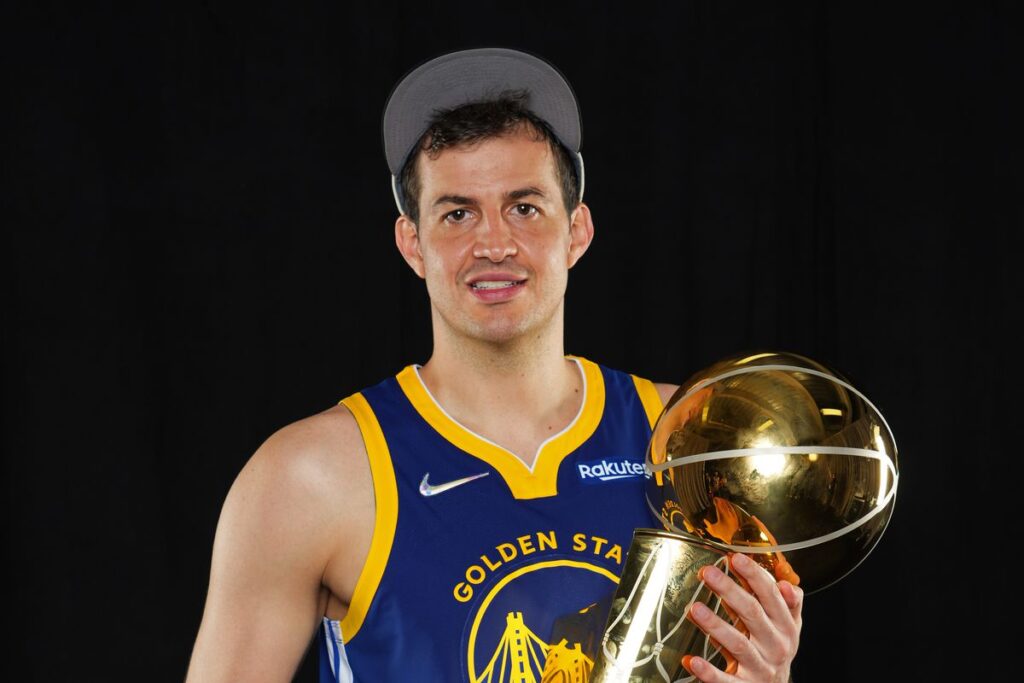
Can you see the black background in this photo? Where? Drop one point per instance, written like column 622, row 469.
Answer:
column 198, row 249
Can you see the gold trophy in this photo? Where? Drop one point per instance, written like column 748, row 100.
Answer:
column 772, row 455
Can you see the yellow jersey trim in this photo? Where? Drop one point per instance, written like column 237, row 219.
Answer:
column 385, row 493
column 471, row 655
column 649, row 397
column 541, row 480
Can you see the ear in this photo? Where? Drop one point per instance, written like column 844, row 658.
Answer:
column 581, row 233
column 407, row 238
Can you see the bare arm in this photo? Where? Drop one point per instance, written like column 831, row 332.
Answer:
column 298, row 506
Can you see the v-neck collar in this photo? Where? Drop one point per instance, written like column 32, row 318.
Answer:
column 525, row 482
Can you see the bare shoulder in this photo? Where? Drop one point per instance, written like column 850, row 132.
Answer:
column 312, row 464
column 305, row 485
column 317, row 453
column 301, row 502
column 665, row 391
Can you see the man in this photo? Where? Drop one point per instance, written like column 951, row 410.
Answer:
column 457, row 521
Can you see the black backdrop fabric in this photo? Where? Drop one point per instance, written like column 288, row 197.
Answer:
column 198, row 250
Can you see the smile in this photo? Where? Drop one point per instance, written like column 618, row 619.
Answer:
column 496, row 291
column 496, row 284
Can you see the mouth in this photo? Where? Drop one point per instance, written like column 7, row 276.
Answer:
column 496, row 288
column 495, row 284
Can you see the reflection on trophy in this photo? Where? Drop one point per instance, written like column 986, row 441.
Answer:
column 772, row 455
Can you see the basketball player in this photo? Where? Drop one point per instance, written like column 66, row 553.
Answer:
column 459, row 521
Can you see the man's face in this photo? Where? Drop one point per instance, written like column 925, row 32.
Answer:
column 494, row 242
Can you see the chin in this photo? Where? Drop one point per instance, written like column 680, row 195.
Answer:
column 499, row 335
column 501, row 331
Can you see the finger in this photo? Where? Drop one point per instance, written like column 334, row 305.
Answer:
column 766, row 588
column 717, row 606
column 750, row 612
column 705, row 671
column 733, row 616
column 794, row 598
column 737, row 644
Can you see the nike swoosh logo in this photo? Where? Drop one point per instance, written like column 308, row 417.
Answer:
column 427, row 490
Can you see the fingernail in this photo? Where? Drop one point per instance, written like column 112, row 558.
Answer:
column 740, row 560
column 710, row 574
column 700, row 611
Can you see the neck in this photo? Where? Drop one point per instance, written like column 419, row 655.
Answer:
column 525, row 387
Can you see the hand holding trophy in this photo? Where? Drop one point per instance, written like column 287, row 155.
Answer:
column 773, row 456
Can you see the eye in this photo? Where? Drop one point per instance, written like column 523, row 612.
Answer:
column 456, row 216
column 525, row 210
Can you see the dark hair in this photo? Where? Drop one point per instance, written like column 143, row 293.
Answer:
column 483, row 120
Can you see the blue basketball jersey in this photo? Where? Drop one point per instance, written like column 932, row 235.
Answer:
column 481, row 568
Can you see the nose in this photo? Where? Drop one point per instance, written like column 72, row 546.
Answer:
column 494, row 239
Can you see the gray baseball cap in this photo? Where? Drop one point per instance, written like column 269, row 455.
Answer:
column 459, row 78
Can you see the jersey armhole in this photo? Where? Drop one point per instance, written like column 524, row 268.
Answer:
column 385, row 494
column 649, row 398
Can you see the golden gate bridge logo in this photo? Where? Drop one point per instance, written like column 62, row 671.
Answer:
column 522, row 657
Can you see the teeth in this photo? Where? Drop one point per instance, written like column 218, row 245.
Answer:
column 493, row 284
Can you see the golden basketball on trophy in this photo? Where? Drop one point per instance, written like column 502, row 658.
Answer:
column 772, row 455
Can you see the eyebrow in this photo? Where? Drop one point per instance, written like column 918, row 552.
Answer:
column 526, row 192
column 453, row 199
column 514, row 194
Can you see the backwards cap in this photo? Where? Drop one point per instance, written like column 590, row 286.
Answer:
column 468, row 76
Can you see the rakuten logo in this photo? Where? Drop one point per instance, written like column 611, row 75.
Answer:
column 606, row 470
